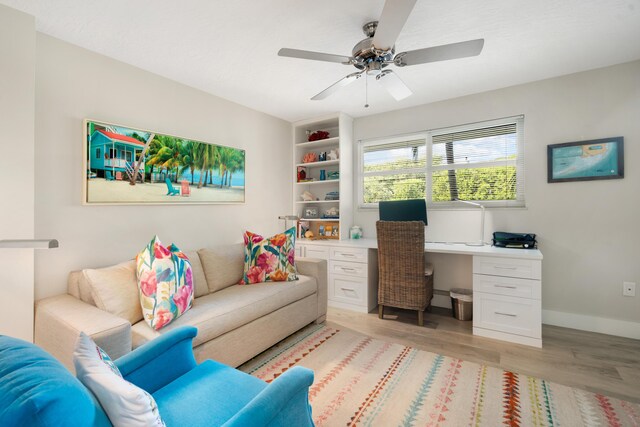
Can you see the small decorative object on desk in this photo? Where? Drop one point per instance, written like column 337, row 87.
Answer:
column 323, row 175
column 309, row 234
column 321, row 230
column 318, row 135
column 334, row 232
column 333, row 154
column 356, row 232
column 332, row 195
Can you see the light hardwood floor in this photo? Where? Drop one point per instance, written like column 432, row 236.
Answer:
column 590, row 361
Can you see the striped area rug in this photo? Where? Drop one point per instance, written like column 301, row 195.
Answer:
column 363, row 381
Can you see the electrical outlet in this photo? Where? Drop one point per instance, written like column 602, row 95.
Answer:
column 629, row 289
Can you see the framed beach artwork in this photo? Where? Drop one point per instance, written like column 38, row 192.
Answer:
column 124, row 165
column 586, row 160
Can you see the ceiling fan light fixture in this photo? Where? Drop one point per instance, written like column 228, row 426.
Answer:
column 374, row 68
column 394, row 85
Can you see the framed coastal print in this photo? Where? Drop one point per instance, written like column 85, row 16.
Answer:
column 586, row 160
column 124, row 165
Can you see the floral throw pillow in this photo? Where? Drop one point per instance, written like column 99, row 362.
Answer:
column 269, row 260
column 165, row 281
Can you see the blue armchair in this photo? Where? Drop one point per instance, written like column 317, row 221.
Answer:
column 36, row 390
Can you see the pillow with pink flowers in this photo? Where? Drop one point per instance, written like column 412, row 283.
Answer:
column 269, row 260
column 165, row 282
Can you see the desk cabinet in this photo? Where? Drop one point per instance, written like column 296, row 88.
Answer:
column 352, row 274
column 507, row 299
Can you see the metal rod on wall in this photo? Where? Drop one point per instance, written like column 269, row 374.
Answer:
column 29, row 243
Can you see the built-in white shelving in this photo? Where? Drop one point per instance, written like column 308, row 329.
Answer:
column 340, row 141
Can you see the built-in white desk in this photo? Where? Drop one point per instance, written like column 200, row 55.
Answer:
column 506, row 283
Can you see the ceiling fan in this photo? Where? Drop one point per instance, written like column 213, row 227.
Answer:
column 373, row 54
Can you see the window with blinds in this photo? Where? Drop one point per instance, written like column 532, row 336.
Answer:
column 479, row 162
column 394, row 170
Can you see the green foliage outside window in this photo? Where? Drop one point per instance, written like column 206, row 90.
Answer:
column 489, row 183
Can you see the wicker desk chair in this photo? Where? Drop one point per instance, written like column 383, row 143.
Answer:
column 405, row 280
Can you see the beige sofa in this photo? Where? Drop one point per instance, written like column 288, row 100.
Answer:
column 235, row 322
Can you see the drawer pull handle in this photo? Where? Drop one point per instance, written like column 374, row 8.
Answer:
column 502, row 267
column 352, row 270
column 505, row 314
column 346, row 255
column 505, row 286
column 348, row 289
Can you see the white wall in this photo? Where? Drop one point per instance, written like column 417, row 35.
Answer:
column 17, row 74
column 73, row 84
column 589, row 232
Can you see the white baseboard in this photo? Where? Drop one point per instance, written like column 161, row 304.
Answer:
column 620, row 328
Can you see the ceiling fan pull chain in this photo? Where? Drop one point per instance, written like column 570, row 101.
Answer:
column 366, row 90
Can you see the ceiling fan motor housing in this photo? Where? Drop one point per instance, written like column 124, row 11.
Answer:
column 366, row 56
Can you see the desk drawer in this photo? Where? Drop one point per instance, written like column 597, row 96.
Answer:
column 520, row 316
column 348, row 254
column 348, row 289
column 507, row 267
column 348, row 268
column 523, row 288
column 321, row 252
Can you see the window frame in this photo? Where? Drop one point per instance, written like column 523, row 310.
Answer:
column 428, row 135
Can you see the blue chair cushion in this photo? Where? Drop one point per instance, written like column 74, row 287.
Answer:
column 208, row 395
column 36, row 390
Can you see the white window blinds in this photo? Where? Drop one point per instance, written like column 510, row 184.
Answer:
column 481, row 162
column 394, row 170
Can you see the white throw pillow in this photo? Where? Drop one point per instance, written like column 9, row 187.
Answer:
column 115, row 290
column 125, row 404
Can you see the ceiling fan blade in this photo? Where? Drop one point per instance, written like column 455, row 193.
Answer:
column 315, row 56
column 338, row 85
column 440, row 53
column 394, row 15
column 394, row 85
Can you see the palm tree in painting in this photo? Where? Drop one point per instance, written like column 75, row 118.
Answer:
column 206, row 159
column 167, row 155
column 189, row 157
column 235, row 164
column 226, row 158
column 140, row 159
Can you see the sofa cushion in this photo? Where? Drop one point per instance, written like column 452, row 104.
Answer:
column 36, row 390
column 78, row 287
column 230, row 308
column 201, row 387
column 200, row 281
column 223, row 265
column 115, row 290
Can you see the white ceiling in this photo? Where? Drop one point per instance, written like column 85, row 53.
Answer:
column 229, row 48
